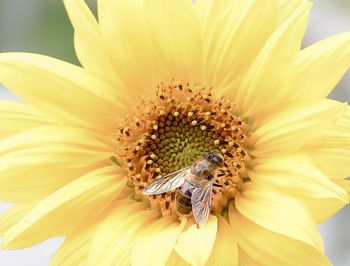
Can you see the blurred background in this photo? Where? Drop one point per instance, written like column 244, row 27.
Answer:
column 43, row 27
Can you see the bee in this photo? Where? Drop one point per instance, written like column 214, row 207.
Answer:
column 195, row 183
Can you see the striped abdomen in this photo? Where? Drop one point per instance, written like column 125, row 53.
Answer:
column 183, row 198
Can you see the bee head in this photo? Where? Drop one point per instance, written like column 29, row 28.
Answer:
column 214, row 157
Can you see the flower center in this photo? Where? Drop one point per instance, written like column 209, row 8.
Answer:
column 171, row 131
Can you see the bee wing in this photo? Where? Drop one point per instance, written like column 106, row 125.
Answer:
column 167, row 183
column 201, row 203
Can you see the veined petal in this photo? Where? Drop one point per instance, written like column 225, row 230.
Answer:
column 287, row 7
column 263, row 83
column 118, row 234
column 16, row 117
column 344, row 183
column 133, row 55
column 81, row 199
column 245, row 259
column 334, row 162
column 59, row 154
column 166, row 231
column 270, row 248
column 75, row 248
column 88, row 41
column 176, row 260
column 225, row 251
column 233, row 34
column 289, row 128
column 278, row 213
column 330, row 149
column 195, row 244
column 179, row 56
column 63, row 91
column 13, row 215
column 296, row 175
column 320, row 67
column 337, row 135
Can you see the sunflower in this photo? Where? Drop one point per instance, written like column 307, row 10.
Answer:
column 162, row 82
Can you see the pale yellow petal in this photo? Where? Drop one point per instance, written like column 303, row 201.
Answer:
column 177, row 39
column 297, row 176
column 344, row 183
column 245, row 259
column 195, row 244
column 264, row 81
column 16, row 117
column 330, row 148
column 287, row 7
column 225, row 250
column 117, row 235
column 336, row 135
column 130, row 46
column 233, row 34
column 160, row 237
column 334, row 162
column 89, row 45
column 64, row 92
column 269, row 248
column 288, row 129
column 320, row 67
column 279, row 213
column 13, row 215
column 81, row 199
column 176, row 260
column 75, row 248
column 36, row 162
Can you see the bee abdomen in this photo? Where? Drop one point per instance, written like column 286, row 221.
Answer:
column 183, row 202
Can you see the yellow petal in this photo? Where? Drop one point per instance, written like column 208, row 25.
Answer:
column 133, row 55
column 334, row 162
column 63, row 91
column 296, row 175
column 36, row 162
column 320, row 67
column 337, row 135
column 75, row 248
column 287, row 7
column 279, row 213
column 225, row 248
column 88, row 41
column 330, row 148
column 245, row 259
column 289, row 128
column 16, row 117
column 81, row 199
column 177, row 39
column 117, row 235
column 176, row 260
column 269, row 248
column 155, row 246
column 345, row 184
column 264, row 81
column 195, row 244
column 233, row 34
column 13, row 215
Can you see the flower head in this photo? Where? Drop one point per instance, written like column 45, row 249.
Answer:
column 162, row 82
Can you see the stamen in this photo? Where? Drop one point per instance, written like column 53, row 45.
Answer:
column 171, row 131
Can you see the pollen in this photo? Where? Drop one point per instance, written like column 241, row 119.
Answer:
column 171, row 130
